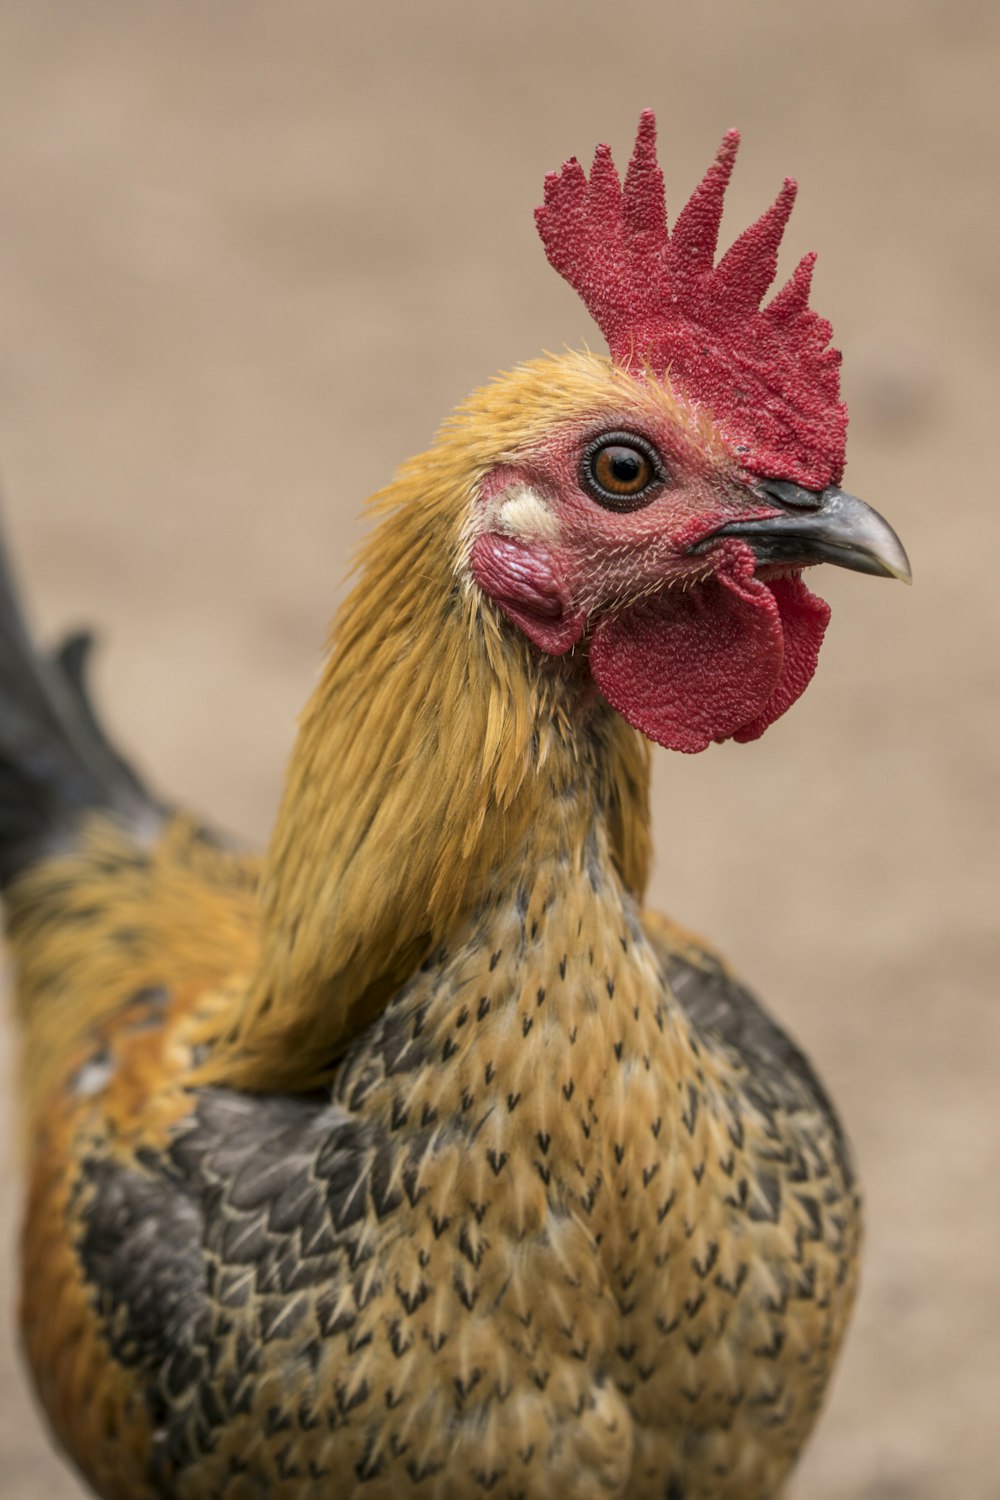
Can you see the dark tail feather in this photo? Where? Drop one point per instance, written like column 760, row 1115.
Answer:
column 56, row 763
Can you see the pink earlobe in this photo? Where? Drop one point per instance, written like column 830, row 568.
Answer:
column 528, row 587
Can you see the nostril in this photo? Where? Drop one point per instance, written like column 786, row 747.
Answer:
column 793, row 496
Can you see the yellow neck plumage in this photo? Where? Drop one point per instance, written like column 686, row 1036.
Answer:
column 435, row 741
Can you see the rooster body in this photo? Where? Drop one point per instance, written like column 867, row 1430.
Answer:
column 593, row 1227
column 422, row 1159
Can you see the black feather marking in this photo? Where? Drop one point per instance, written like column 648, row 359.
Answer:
column 56, row 762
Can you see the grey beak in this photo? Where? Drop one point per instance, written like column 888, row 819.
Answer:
column 827, row 526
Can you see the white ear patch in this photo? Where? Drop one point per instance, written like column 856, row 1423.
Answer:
column 522, row 513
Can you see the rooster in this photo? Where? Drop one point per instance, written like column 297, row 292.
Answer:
column 419, row 1159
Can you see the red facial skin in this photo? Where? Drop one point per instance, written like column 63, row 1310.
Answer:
column 690, row 648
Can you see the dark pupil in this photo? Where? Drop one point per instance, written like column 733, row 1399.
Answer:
column 626, row 467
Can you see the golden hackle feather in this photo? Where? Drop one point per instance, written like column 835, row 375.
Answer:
column 414, row 773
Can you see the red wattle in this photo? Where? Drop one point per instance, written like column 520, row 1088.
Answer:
column 719, row 661
column 804, row 618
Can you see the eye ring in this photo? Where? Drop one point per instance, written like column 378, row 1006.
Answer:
column 622, row 471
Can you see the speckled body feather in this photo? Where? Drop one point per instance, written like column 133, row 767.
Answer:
column 573, row 1215
column 424, row 1163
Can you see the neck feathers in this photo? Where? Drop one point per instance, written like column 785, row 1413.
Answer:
column 435, row 742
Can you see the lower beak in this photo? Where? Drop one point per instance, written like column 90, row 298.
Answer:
column 836, row 528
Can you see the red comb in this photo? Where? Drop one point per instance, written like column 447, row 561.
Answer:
column 767, row 374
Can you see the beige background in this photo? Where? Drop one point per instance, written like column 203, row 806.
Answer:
column 251, row 254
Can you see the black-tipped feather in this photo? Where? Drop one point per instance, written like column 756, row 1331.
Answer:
column 56, row 762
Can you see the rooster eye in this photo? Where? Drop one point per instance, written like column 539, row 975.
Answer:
column 622, row 471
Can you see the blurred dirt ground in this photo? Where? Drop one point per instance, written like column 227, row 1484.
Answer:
column 251, row 254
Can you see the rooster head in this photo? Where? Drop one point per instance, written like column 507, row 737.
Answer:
column 654, row 513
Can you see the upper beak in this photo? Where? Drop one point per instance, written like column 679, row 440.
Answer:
column 824, row 526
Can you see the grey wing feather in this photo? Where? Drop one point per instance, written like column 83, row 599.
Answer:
column 729, row 1016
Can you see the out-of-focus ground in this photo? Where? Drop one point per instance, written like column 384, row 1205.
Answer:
column 251, row 254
